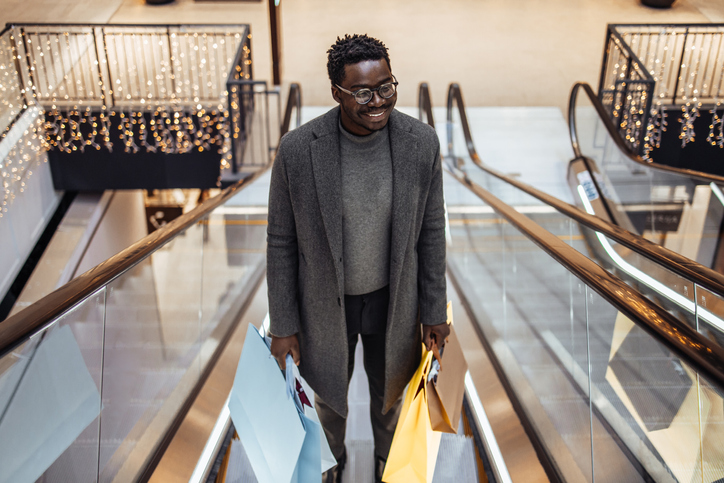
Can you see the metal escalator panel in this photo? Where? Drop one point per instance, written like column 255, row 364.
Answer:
column 607, row 400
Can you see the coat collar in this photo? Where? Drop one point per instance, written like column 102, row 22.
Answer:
column 326, row 165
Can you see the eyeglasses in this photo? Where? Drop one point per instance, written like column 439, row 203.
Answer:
column 363, row 96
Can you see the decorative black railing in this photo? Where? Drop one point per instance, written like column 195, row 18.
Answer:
column 625, row 89
column 651, row 69
column 135, row 88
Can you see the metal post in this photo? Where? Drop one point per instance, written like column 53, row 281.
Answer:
column 681, row 61
column 276, row 40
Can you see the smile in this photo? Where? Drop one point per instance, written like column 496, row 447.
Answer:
column 375, row 114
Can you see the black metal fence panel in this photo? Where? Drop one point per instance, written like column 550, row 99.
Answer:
column 662, row 69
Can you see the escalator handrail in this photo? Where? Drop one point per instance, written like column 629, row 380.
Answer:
column 19, row 327
column 688, row 344
column 613, row 132
column 294, row 100
column 23, row 325
column 675, row 262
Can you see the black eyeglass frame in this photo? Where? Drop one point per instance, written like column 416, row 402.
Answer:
column 371, row 91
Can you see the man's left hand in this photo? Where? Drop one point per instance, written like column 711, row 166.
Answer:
column 437, row 332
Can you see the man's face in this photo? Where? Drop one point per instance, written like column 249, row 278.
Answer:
column 363, row 119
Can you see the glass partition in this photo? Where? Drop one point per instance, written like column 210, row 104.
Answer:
column 607, row 400
column 661, row 285
column 50, row 399
column 91, row 397
column 673, row 210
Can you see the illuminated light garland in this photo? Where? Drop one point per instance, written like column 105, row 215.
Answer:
column 18, row 165
column 716, row 128
column 697, row 53
column 177, row 105
column 171, row 128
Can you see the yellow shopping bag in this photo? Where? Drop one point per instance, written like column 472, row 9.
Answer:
column 414, row 448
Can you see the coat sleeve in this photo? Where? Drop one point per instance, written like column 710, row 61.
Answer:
column 431, row 252
column 282, row 256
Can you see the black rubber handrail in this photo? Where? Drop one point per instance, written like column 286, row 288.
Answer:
column 293, row 101
column 19, row 327
column 688, row 344
column 675, row 262
column 625, row 149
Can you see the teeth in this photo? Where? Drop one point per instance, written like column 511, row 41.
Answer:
column 375, row 115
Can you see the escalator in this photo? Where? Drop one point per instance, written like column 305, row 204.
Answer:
column 123, row 373
column 680, row 209
column 690, row 290
column 605, row 395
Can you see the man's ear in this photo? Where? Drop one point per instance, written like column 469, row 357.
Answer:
column 335, row 95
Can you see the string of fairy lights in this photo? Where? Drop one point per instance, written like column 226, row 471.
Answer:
column 687, row 66
column 22, row 158
column 138, row 89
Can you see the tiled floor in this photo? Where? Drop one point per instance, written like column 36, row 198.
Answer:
column 523, row 53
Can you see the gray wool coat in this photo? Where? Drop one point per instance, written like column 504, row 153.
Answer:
column 305, row 275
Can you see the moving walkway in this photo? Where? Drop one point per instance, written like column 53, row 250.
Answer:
column 595, row 372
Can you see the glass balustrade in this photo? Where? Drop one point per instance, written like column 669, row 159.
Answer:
column 607, row 400
column 91, row 396
column 674, row 292
column 676, row 211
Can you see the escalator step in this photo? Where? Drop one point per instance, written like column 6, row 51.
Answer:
column 456, row 460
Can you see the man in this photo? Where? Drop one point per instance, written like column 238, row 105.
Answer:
column 356, row 245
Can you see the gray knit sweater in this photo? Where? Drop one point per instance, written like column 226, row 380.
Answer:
column 367, row 210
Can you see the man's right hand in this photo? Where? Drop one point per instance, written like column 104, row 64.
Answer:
column 281, row 346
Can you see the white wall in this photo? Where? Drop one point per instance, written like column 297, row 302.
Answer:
column 29, row 210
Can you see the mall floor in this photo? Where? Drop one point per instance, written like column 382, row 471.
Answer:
column 504, row 53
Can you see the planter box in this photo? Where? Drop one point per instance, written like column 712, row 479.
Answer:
column 101, row 169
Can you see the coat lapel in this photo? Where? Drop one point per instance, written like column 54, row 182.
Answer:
column 326, row 164
column 404, row 155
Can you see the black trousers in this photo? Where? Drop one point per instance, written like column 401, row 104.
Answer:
column 366, row 318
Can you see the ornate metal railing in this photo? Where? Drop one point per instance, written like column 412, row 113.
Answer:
column 140, row 88
column 625, row 89
column 670, row 67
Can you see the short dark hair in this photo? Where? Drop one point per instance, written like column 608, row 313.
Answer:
column 352, row 49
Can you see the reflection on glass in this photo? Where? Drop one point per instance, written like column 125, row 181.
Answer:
column 234, row 251
column 532, row 314
column 151, row 359
column 609, row 402
column 710, row 315
column 712, row 432
column 50, row 400
column 662, row 286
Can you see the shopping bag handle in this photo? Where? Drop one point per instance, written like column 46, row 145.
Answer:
column 290, row 374
column 436, row 352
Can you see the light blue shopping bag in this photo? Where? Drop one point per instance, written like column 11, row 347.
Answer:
column 265, row 417
column 315, row 456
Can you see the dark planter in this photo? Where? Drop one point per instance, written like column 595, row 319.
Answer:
column 658, row 3
column 158, row 2
column 102, row 169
